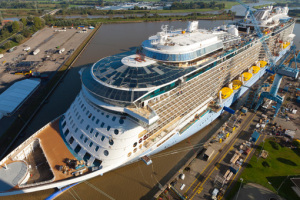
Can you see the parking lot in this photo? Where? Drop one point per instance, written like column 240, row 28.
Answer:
column 47, row 42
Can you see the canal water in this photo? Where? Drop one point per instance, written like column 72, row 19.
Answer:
column 135, row 181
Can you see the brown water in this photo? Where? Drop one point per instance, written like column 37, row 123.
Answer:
column 135, row 181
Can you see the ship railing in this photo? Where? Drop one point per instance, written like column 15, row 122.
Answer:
column 11, row 155
column 43, row 182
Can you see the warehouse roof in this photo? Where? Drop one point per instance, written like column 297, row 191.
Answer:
column 16, row 94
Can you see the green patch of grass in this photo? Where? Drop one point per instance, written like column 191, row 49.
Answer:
column 273, row 171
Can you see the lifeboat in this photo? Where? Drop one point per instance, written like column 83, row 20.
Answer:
column 247, row 76
column 255, row 69
column 236, row 84
column 262, row 63
column 226, row 92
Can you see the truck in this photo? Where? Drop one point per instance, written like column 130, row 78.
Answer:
column 35, row 52
column 26, row 49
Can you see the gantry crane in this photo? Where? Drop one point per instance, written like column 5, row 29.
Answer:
column 280, row 70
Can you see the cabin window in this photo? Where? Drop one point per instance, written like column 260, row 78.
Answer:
column 71, row 140
column 91, row 144
column 106, row 153
column 116, row 131
column 66, row 132
column 97, row 148
column 77, row 149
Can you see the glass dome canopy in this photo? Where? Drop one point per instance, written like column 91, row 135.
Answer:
column 112, row 71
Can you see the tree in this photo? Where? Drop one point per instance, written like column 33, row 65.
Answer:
column 7, row 45
column 24, row 21
column 37, row 22
column 15, row 27
column 18, row 38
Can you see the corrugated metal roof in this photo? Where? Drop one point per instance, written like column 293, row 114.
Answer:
column 15, row 95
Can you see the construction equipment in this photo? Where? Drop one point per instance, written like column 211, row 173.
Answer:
column 280, row 70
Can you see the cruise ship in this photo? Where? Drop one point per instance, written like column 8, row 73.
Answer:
column 135, row 104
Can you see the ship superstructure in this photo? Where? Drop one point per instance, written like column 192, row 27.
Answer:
column 135, row 104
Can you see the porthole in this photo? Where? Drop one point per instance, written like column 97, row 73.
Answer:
column 116, row 131
column 107, row 116
column 113, row 118
column 105, row 152
column 111, row 142
column 121, row 121
column 134, row 150
column 129, row 154
column 134, row 145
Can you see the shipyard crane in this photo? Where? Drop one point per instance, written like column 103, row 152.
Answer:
column 280, row 70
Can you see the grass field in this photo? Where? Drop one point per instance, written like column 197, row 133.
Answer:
column 273, row 171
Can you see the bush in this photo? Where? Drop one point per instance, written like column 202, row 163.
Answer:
column 265, row 164
column 296, row 144
column 275, row 145
column 7, row 45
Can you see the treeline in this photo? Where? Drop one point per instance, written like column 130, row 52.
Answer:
column 20, row 29
column 52, row 21
column 196, row 5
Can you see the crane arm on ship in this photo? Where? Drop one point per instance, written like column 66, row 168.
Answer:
column 280, row 69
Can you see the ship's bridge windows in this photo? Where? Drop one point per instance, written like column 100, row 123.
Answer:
column 97, row 148
column 111, row 142
column 85, row 140
column 86, row 157
column 108, row 128
column 97, row 162
column 106, row 152
column 96, row 135
column 116, row 131
column 91, row 144
column 71, row 140
column 66, row 132
column 77, row 149
column 81, row 136
column 102, row 125
column 87, row 127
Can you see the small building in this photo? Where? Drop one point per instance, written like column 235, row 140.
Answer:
column 255, row 136
column 208, row 153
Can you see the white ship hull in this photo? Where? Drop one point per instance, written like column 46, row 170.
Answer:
column 176, row 137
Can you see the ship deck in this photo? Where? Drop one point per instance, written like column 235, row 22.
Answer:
column 43, row 154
